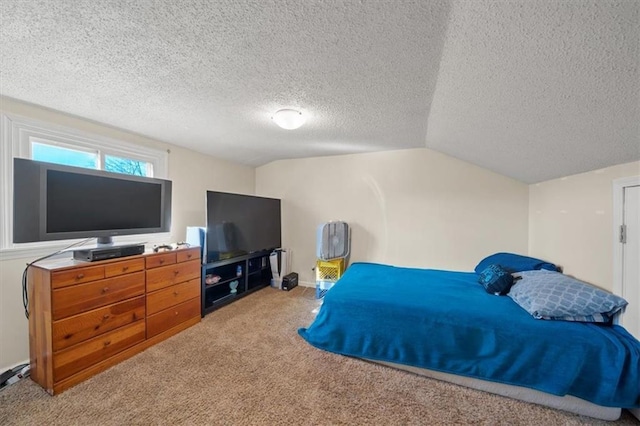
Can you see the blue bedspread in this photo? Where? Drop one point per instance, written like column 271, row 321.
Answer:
column 445, row 321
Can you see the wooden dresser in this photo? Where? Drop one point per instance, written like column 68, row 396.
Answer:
column 88, row 316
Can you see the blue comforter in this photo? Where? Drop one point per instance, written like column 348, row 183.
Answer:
column 445, row 321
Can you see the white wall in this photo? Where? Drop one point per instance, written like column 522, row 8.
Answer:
column 192, row 174
column 412, row 207
column 571, row 222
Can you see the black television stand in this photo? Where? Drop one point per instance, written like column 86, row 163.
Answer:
column 227, row 280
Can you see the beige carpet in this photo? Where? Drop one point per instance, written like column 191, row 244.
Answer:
column 245, row 364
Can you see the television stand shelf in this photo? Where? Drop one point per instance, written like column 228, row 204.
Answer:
column 225, row 281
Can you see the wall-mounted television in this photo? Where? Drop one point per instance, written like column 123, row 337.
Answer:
column 241, row 224
column 56, row 202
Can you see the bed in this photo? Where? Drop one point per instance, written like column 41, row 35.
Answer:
column 445, row 325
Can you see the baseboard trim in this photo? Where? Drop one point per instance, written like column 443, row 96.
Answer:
column 10, row 367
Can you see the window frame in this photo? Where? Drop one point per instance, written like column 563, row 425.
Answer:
column 16, row 134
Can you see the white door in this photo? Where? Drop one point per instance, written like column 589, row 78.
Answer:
column 631, row 259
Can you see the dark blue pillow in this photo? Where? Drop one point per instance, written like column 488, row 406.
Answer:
column 514, row 263
column 496, row 280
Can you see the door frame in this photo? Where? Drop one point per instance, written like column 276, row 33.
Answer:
column 618, row 211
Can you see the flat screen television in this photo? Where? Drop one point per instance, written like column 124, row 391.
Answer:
column 241, row 224
column 55, row 202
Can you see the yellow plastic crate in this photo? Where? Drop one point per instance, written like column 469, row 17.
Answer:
column 329, row 270
column 327, row 273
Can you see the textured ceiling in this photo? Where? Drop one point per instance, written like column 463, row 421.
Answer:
column 538, row 90
column 530, row 89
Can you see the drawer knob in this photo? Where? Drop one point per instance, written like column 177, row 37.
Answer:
column 161, row 261
column 107, row 343
column 79, row 276
column 176, row 312
column 104, row 290
column 189, row 256
column 175, row 293
column 176, row 272
column 105, row 317
column 125, row 268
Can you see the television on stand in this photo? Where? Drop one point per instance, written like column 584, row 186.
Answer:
column 241, row 224
column 59, row 202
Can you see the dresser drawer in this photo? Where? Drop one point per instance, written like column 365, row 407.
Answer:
column 72, row 360
column 173, row 316
column 83, row 297
column 162, row 259
column 125, row 267
column 170, row 296
column 168, row 275
column 188, row 254
column 78, row 328
column 75, row 276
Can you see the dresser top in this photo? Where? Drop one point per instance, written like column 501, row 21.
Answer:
column 66, row 261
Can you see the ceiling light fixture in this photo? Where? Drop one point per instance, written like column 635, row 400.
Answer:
column 288, row 118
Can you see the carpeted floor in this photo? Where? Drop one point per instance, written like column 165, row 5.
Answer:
column 245, row 364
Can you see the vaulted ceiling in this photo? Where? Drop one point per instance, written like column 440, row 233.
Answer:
column 532, row 89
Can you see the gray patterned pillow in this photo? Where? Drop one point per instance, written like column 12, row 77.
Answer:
column 554, row 296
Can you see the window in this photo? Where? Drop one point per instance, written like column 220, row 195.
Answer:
column 128, row 166
column 52, row 152
column 26, row 138
column 43, row 151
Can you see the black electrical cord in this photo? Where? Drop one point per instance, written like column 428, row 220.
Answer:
column 25, row 292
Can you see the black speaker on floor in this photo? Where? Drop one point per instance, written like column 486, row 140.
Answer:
column 290, row 281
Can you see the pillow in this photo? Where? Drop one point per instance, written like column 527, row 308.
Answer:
column 514, row 263
column 554, row 296
column 496, row 280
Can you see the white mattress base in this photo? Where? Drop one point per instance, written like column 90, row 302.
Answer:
column 567, row 403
